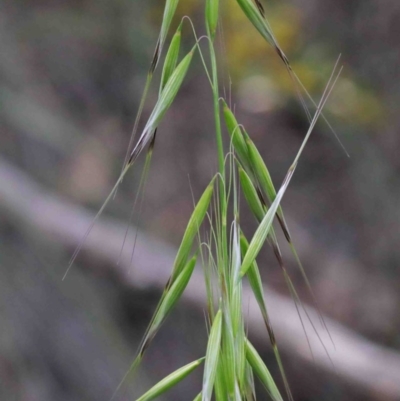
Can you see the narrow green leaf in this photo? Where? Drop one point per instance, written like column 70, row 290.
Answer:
column 236, row 308
column 264, row 228
column 254, row 277
column 171, row 89
column 220, row 387
column 169, row 299
column 253, row 164
column 266, row 224
column 260, row 170
column 170, row 381
column 169, row 12
column 212, row 17
column 164, row 102
column 240, row 355
column 264, row 179
column 212, row 357
column 236, row 256
column 249, row 390
column 192, row 229
column 228, row 355
column 262, row 372
column 250, row 193
column 257, row 19
column 256, row 284
column 172, row 295
column 171, row 58
column 235, row 132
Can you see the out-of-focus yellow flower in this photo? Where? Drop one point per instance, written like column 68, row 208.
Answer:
column 356, row 105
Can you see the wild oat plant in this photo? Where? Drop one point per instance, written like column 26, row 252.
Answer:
column 231, row 363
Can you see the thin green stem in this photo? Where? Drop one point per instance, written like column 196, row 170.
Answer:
column 221, row 159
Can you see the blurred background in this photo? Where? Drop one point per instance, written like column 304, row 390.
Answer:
column 71, row 77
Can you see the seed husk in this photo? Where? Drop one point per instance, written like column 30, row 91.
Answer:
column 212, row 17
column 261, row 370
column 212, row 357
column 171, row 58
column 170, row 381
column 164, row 102
column 169, row 12
column 236, row 134
column 192, row 229
column 172, row 295
column 264, row 228
column 251, row 195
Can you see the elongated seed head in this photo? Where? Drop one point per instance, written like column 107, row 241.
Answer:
column 192, row 229
column 254, row 15
column 170, row 90
column 260, row 170
column 261, row 370
column 171, row 58
column 170, row 381
column 169, row 12
column 250, row 193
column 165, row 100
column 212, row 17
column 265, row 226
column 236, row 134
column 212, row 357
column 253, row 276
column 173, row 295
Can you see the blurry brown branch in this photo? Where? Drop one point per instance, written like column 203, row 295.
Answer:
column 356, row 360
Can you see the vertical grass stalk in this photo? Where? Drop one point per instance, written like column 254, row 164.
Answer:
column 231, row 362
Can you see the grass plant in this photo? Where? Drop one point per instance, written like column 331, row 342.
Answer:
column 231, row 363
